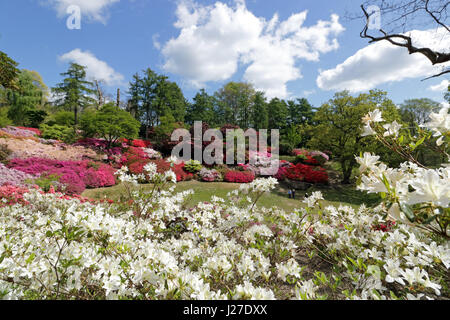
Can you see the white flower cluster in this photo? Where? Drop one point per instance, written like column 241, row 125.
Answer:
column 152, row 154
column 440, row 124
column 64, row 249
column 429, row 185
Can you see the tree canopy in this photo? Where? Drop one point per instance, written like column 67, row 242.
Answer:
column 74, row 92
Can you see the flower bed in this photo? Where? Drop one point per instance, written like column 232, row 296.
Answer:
column 11, row 195
column 75, row 175
column 239, row 176
column 310, row 174
column 26, row 148
column 13, row 177
column 210, row 175
column 21, row 132
column 222, row 249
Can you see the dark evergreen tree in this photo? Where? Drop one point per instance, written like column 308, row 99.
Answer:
column 74, row 92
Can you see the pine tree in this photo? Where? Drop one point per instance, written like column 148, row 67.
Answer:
column 73, row 93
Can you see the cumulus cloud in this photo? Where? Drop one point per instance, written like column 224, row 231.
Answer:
column 92, row 9
column 215, row 40
column 95, row 68
column 382, row 62
column 440, row 86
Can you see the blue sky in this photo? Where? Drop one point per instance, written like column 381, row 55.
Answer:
column 288, row 48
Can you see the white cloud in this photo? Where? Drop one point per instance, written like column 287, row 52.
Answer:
column 440, row 86
column 95, row 68
column 308, row 93
column 92, row 9
column 214, row 40
column 383, row 62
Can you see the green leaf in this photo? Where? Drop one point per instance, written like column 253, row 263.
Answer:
column 30, row 258
column 407, row 210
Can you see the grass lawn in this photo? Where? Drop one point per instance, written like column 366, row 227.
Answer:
column 346, row 195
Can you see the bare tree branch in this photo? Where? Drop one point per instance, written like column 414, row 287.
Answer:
column 402, row 40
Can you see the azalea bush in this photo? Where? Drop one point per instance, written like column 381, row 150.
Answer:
column 101, row 145
column 306, row 173
column 14, row 177
column 20, row 131
column 76, row 176
column 150, row 245
column 412, row 193
column 239, row 176
column 210, row 175
column 26, row 148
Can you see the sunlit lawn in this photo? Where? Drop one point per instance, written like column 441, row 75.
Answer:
column 278, row 197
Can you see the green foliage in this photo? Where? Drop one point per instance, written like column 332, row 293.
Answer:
column 260, row 112
column 278, row 114
column 285, row 148
column 57, row 132
column 35, row 117
column 110, row 123
column 300, row 111
column 193, row 166
column 415, row 112
column 300, row 158
column 46, row 181
column 338, row 127
column 25, row 99
column 202, row 109
column 4, row 152
column 8, row 72
column 153, row 96
column 62, row 118
column 293, row 136
column 234, row 103
column 4, row 119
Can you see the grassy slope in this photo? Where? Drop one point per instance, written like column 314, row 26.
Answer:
column 278, row 197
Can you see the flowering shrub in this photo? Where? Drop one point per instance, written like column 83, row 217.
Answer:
column 25, row 149
column 412, row 193
column 20, row 131
column 281, row 174
column 239, row 176
column 209, row 175
column 152, row 154
column 303, row 172
column 320, row 157
column 297, row 152
column 36, row 131
column 137, row 168
column 101, row 177
column 152, row 247
column 13, row 177
column 141, row 143
column 75, row 175
column 11, row 195
column 100, row 145
column 313, row 158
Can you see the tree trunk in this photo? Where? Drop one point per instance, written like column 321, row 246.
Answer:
column 75, row 113
column 347, row 172
column 118, row 98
